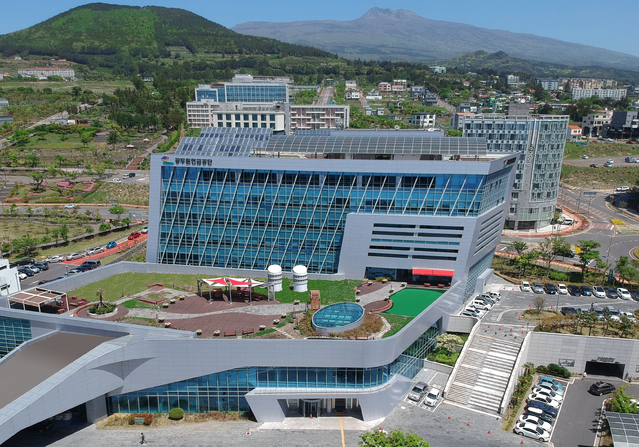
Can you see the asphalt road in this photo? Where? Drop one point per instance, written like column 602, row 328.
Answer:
column 579, row 416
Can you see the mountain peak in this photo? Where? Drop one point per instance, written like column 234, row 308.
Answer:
column 375, row 13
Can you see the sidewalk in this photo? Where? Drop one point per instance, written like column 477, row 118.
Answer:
column 580, row 224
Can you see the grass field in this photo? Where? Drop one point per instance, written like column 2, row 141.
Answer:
column 412, row 302
column 124, row 193
column 95, row 86
column 118, row 285
column 599, row 178
column 15, row 229
column 596, row 149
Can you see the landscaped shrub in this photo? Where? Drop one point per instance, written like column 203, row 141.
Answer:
column 559, row 276
column 554, row 370
column 108, row 308
column 148, row 419
column 176, row 414
column 443, row 356
column 132, row 419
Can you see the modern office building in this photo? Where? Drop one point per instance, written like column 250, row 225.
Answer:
column 47, row 71
column 540, row 140
column 345, row 204
column 623, row 125
column 246, row 88
column 614, row 93
column 593, row 124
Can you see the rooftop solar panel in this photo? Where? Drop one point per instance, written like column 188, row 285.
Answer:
column 624, row 429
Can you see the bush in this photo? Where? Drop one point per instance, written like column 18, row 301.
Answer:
column 132, row 419
column 148, row 419
column 554, row 370
column 176, row 414
column 559, row 276
column 108, row 308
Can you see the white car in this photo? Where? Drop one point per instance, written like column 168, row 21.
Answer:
column 584, row 156
column 532, row 431
column 548, row 386
column 22, row 276
column 535, row 420
column 598, row 292
column 479, row 305
column 94, row 250
column 55, row 258
column 145, row 230
column 548, row 393
column 70, row 206
column 74, row 256
column 115, row 180
column 562, row 289
column 544, row 399
column 495, row 295
column 525, row 286
column 628, row 315
column 624, row 294
column 432, row 396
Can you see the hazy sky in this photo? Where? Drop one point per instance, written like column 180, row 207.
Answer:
column 612, row 26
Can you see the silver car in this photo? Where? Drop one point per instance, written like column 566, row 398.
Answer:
column 418, row 391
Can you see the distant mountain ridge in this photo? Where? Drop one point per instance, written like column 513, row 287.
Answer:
column 105, row 29
column 386, row 34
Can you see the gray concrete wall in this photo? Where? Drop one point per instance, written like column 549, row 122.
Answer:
column 439, row 367
column 461, row 324
column 548, row 348
column 518, row 370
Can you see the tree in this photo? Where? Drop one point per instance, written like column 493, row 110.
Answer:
column 550, row 248
column 53, row 171
column 86, row 138
column 99, row 170
column 55, row 234
column 64, row 233
column 31, row 160
column 89, row 230
column 38, row 178
column 520, row 247
column 626, row 327
column 26, row 245
column 525, row 261
column 117, row 210
column 20, row 137
column 539, row 303
column 590, row 320
column 113, row 137
column 587, row 255
column 625, row 272
column 395, row 438
column 622, row 402
column 105, row 226
column 126, row 221
column 173, row 119
column 603, row 266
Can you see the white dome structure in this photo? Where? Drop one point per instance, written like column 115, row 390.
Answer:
column 275, row 277
column 300, row 278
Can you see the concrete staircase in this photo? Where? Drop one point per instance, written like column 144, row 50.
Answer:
column 483, row 374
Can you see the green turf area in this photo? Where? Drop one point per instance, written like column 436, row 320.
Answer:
column 411, row 302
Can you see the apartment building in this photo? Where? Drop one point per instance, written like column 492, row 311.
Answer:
column 67, row 73
column 614, row 93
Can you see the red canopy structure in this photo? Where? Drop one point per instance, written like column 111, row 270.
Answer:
column 229, row 282
column 434, row 272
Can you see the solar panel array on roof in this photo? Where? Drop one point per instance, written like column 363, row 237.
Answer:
column 624, row 429
column 324, row 132
column 224, row 141
column 399, row 145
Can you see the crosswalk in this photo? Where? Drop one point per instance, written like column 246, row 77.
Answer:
column 484, row 372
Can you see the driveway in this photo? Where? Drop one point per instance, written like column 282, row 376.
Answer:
column 579, row 416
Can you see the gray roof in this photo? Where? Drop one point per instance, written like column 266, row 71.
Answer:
column 624, row 429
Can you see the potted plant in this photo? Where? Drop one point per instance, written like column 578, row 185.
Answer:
column 276, row 321
column 216, row 332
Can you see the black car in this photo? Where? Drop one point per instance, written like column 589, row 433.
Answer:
column 545, row 407
column 543, row 416
column 634, row 293
column 574, row 290
column 25, row 261
column 600, row 388
column 569, row 311
column 585, row 291
column 550, row 289
column 611, row 292
column 26, row 272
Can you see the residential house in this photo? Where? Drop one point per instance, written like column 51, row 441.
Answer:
column 352, row 95
column 384, row 87
column 437, row 69
column 574, row 133
column 592, row 125
column 423, row 119
column 350, row 85
column 430, row 99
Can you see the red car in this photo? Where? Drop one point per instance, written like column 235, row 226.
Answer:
column 134, row 235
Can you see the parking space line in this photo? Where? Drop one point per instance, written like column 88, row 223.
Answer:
column 561, row 405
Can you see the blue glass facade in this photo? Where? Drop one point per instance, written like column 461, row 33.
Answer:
column 13, row 332
column 244, row 93
column 236, row 218
column 225, row 391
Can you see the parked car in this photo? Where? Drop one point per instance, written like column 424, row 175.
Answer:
column 25, row 261
column 585, row 291
column 550, row 289
column 635, row 294
column 628, row 315
column 70, row 206
column 562, row 289
column 594, row 165
column 611, row 292
column 525, row 286
column 495, row 295
column 55, row 258
column 74, row 256
column 601, row 388
column 537, row 287
column 610, row 310
column 543, row 399
column 543, row 406
column 532, row 431
column 134, row 235
column 549, row 386
column 529, row 418
column 91, row 264
column 569, row 311
column 539, row 413
column 22, row 276
column 548, row 393
column 111, row 244
column 33, row 268
column 77, row 270
column 470, row 313
column 26, row 271
column 598, row 292
column 59, row 277
column 599, row 311
column 115, row 180
column 418, row 391
column 432, row 396
column 94, row 250
column 584, row 156
column 546, row 379
column 607, row 165
column 479, row 305
column 145, row 230
column 574, row 290
column 42, row 265
column 624, row 294
column 622, row 189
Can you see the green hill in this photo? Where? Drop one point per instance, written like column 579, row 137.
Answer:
column 501, row 62
column 100, row 29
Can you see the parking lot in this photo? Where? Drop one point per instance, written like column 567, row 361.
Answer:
column 434, row 380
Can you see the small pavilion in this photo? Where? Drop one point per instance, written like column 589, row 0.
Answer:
column 245, row 283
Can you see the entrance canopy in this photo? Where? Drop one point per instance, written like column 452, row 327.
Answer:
column 433, row 272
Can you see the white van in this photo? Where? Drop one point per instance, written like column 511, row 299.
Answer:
column 622, row 189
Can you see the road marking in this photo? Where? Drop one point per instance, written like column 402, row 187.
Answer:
column 341, row 426
column 559, row 412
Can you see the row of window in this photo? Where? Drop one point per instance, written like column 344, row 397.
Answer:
column 245, row 116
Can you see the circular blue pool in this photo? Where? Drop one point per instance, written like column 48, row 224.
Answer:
column 338, row 317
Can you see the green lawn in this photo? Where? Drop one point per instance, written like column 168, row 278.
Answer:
column 412, row 302
column 596, row 149
column 397, row 323
column 118, row 285
column 599, row 178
